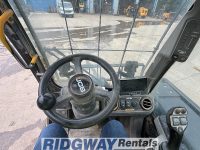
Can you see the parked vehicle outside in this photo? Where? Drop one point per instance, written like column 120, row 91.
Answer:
column 68, row 9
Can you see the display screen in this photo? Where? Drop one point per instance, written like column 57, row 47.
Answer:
column 134, row 85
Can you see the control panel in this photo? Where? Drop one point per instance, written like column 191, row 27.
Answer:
column 129, row 102
column 133, row 104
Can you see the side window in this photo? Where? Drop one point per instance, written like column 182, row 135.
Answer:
column 186, row 76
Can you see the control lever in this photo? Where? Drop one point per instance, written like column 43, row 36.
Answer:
column 177, row 122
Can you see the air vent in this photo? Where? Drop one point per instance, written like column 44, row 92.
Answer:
column 146, row 104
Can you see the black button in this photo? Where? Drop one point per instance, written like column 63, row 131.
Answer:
column 183, row 110
column 177, row 111
column 134, row 104
column 122, row 104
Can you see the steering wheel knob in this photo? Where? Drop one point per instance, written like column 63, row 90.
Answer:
column 46, row 101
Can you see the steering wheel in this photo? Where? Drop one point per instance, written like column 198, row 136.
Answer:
column 80, row 92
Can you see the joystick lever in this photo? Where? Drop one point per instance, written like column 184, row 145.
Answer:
column 177, row 122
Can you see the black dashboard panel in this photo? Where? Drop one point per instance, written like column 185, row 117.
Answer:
column 129, row 105
column 133, row 94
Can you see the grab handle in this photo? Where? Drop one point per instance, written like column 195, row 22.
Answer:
column 3, row 19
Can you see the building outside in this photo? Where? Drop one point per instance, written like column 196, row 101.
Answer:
column 90, row 6
column 41, row 5
column 113, row 7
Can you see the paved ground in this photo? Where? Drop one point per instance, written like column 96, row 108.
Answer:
column 21, row 120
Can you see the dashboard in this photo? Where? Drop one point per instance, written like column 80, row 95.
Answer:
column 133, row 99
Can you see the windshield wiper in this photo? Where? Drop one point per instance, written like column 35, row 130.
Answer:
column 129, row 35
column 66, row 24
column 99, row 40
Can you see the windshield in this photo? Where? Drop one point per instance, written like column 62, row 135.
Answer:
column 125, row 33
column 67, row 5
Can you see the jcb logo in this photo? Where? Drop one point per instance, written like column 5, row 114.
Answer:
column 80, row 85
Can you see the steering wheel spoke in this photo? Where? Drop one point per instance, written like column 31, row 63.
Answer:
column 63, row 98
column 77, row 63
column 101, row 93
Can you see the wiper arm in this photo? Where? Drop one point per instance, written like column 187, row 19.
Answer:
column 66, row 24
column 99, row 40
column 129, row 35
